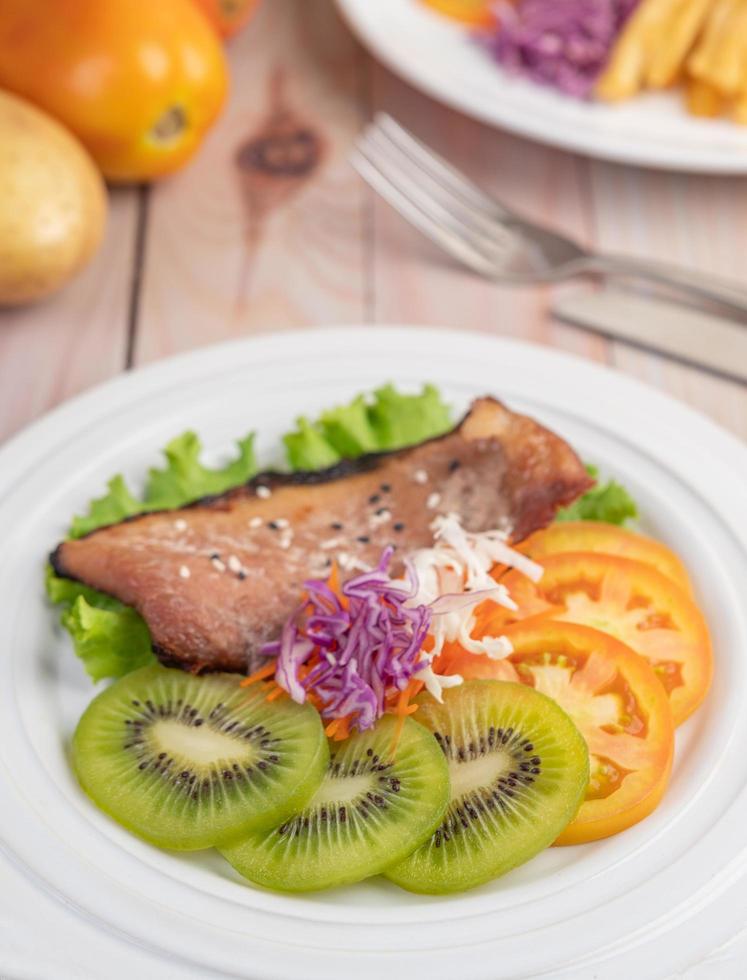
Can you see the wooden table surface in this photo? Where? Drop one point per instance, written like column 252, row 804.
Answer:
column 231, row 247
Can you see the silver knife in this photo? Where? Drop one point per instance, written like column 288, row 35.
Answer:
column 687, row 334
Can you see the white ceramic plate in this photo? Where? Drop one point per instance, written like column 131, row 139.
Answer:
column 440, row 57
column 665, row 893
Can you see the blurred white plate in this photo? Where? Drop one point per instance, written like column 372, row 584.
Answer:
column 442, row 58
column 647, row 902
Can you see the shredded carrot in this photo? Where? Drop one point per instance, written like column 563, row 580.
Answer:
column 274, row 695
column 403, row 708
column 259, row 675
column 331, row 728
column 343, row 729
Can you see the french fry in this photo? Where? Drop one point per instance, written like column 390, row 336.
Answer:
column 668, row 56
column 632, row 56
column 703, row 99
column 719, row 57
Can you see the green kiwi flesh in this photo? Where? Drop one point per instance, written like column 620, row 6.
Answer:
column 519, row 771
column 188, row 762
column 371, row 810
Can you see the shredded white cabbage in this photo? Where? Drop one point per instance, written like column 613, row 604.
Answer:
column 458, row 565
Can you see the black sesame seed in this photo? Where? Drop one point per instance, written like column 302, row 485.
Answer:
column 398, row 526
column 273, row 525
column 374, row 498
column 214, row 555
column 363, row 538
column 242, row 575
column 336, row 526
column 454, row 465
column 386, row 488
column 529, row 747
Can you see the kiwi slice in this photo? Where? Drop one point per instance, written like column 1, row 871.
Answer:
column 372, row 809
column 187, row 762
column 519, row 770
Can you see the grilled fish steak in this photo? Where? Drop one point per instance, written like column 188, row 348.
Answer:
column 218, row 578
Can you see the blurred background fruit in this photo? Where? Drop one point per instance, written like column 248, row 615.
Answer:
column 228, row 16
column 52, row 206
column 138, row 81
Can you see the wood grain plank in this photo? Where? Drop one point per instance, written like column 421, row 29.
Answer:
column 77, row 338
column 414, row 282
column 265, row 229
column 693, row 220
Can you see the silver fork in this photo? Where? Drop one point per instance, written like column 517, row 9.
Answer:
column 491, row 239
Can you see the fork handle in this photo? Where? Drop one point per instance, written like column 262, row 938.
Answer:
column 704, row 287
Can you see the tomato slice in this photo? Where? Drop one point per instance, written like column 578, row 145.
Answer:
column 614, row 699
column 630, row 601
column 564, row 536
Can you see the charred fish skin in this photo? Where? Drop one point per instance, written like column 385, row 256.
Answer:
column 217, row 578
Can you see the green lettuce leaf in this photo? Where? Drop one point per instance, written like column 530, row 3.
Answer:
column 110, row 638
column 184, row 478
column 609, row 502
column 114, row 506
column 110, row 642
column 308, row 449
column 387, row 420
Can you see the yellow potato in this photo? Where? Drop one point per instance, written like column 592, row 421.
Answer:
column 52, row 205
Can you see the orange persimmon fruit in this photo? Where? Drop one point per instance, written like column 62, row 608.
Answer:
column 138, row 81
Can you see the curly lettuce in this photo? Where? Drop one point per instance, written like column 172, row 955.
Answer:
column 608, row 502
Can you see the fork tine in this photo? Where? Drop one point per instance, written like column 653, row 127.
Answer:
column 454, row 244
column 491, row 240
column 489, row 231
column 438, row 168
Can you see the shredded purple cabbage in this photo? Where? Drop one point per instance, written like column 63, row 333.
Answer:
column 366, row 650
column 562, row 43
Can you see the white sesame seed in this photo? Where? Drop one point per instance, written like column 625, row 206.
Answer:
column 217, row 564
column 184, row 572
column 255, row 522
column 343, row 560
column 281, row 522
column 433, row 501
column 376, row 520
column 330, row 543
column 234, row 564
column 180, row 525
column 263, row 492
column 420, row 476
